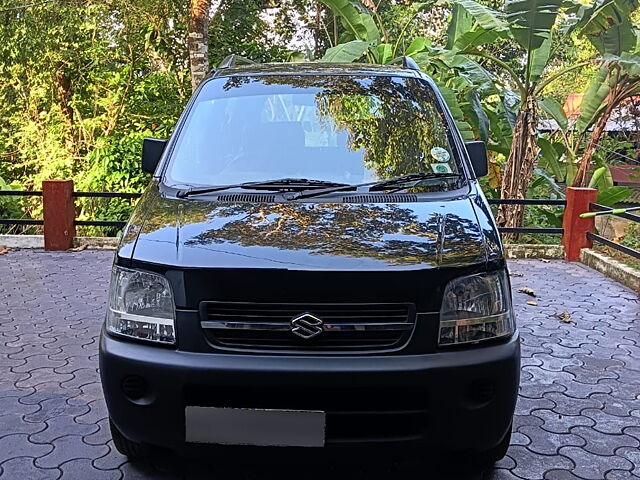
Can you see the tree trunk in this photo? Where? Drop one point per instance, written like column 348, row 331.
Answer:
column 63, row 83
column 198, row 40
column 519, row 166
column 581, row 178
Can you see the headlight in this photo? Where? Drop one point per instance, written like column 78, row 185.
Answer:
column 141, row 306
column 476, row 308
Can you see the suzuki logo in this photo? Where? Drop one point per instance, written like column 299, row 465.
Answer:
column 306, row 326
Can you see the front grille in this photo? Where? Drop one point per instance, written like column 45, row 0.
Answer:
column 342, row 327
column 354, row 415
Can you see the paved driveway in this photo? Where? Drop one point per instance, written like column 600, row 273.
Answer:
column 578, row 415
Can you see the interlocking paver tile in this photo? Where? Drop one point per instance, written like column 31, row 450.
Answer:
column 60, row 426
column 558, row 423
column 606, row 423
column 600, row 443
column 24, row 468
column 621, row 390
column 594, row 467
column 15, row 423
column 621, row 407
column 531, row 465
column 619, row 475
column 556, row 364
column 111, row 460
column 527, row 405
column 100, row 436
column 78, row 467
column 68, row 448
column 578, row 413
column 18, row 445
column 566, row 405
column 503, row 474
column 560, row 475
column 633, row 455
column 530, row 389
column 546, row 443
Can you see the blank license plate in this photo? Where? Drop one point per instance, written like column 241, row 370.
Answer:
column 243, row 426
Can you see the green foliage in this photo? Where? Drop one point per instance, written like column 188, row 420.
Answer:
column 608, row 194
column 554, row 110
column 632, row 236
column 357, row 25
column 82, row 82
column 9, row 206
column 346, row 52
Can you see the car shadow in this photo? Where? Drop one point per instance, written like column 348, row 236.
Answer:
column 237, row 467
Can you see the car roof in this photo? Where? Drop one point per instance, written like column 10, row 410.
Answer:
column 314, row 68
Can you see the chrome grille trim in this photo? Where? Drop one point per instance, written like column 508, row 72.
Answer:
column 359, row 328
column 285, row 327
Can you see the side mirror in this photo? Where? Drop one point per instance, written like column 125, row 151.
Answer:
column 152, row 149
column 478, row 155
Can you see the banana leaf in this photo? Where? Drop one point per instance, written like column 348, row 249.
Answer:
column 593, row 98
column 538, row 59
column 553, row 108
column 612, row 195
column 345, row 52
column 607, row 25
column 476, row 38
column 475, row 73
column 384, row 53
column 361, row 25
column 476, row 115
column 531, row 21
column 460, row 23
column 418, row 45
column 550, row 160
column 486, row 17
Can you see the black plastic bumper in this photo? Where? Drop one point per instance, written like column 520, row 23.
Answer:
column 457, row 400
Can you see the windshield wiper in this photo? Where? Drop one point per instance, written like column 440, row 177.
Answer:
column 410, row 180
column 406, row 181
column 279, row 184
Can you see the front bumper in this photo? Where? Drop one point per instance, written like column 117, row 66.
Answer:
column 456, row 400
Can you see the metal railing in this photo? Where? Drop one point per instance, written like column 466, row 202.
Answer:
column 529, row 201
column 20, row 221
column 595, row 207
column 103, row 223
column 84, row 223
column 121, row 224
column 68, row 201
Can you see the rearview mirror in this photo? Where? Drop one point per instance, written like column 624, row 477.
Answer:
column 478, row 155
column 152, row 149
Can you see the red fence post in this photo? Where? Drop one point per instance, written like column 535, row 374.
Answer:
column 574, row 237
column 59, row 214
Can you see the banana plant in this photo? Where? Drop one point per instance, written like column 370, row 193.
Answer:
column 608, row 27
column 531, row 25
column 463, row 81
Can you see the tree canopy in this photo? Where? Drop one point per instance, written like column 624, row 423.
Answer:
column 83, row 81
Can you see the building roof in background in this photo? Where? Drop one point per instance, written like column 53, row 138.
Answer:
column 629, row 176
column 633, row 199
column 626, row 174
column 624, row 118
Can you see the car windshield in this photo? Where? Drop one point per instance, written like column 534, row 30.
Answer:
column 337, row 128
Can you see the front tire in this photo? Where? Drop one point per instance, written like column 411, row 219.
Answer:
column 130, row 449
column 497, row 453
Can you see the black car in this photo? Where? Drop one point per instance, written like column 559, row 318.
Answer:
column 313, row 265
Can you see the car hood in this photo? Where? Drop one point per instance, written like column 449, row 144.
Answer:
column 194, row 233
